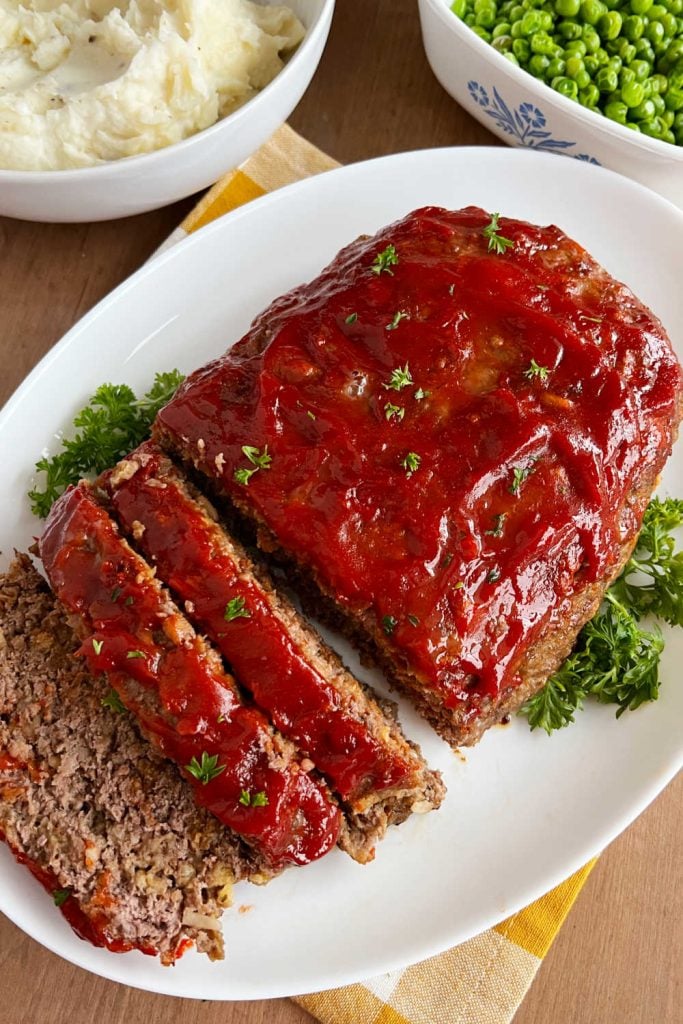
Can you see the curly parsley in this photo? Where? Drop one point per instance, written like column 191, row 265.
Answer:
column 205, row 770
column 112, row 423
column 614, row 660
column 497, row 243
column 384, row 261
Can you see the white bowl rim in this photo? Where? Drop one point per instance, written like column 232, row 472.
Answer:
column 454, row 23
column 142, row 161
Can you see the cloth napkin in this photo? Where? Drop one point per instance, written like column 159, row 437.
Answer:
column 481, row 981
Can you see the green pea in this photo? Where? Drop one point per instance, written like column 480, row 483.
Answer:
column 566, row 87
column 486, row 18
column 632, row 94
column 645, row 111
column 674, row 51
column 592, row 11
column 659, row 104
column 592, row 65
column 574, row 65
column 590, row 96
column 501, row 29
column 576, row 47
column 591, row 39
column 673, row 100
column 670, row 24
column 568, row 8
column 556, row 67
column 521, row 50
column 502, row 43
column 659, row 83
column 641, row 6
column 511, row 57
column 482, row 33
column 655, row 32
column 459, row 7
column 516, row 30
column 607, row 80
column 641, row 69
column 569, row 30
column 531, row 22
column 609, row 25
column 538, row 65
column 517, row 12
column 617, row 111
column 542, row 43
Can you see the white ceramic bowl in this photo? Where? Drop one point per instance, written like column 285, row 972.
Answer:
column 135, row 184
column 524, row 111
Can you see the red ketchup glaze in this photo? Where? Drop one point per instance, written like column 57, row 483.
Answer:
column 91, row 927
column 519, row 478
column 184, row 703
column 184, row 545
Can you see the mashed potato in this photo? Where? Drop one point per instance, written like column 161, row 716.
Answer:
column 89, row 80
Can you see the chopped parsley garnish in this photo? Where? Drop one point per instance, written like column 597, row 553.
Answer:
column 451, row 288
column 498, row 522
column 113, row 423
column 397, row 317
column 614, row 660
column 115, row 594
column 113, row 702
column 257, row 800
column 493, row 575
column 60, row 896
column 400, row 378
column 391, row 411
column 205, row 770
column 97, row 645
column 389, row 624
column 497, row 243
column 259, row 460
column 384, row 261
column 311, row 415
column 411, row 463
column 351, row 318
column 421, row 393
column 519, row 475
column 135, row 654
column 536, row 372
column 129, row 601
column 236, row 608
column 413, row 620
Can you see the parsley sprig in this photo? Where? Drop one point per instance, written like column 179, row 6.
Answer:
column 384, row 261
column 205, row 770
column 614, row 660
column 236, row 608
column 536, row 372
column 497, row 243
column 112, row 423
column 259, row 460
column 249, row 799
column 400, row 378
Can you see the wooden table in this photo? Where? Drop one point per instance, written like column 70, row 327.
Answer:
column 616, row 960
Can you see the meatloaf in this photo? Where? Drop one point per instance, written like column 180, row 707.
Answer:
column 451, row 435
column 273, row 653
column 246, row 774
column 105, row 823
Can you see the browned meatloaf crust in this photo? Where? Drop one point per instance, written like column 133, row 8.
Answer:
column 272, row 651
column 452, row 434
column 91, row 804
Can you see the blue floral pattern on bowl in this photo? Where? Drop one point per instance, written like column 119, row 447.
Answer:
column 527, row 124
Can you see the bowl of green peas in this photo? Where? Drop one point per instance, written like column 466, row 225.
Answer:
column 597, row 80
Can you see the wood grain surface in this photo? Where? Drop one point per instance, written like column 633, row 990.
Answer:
column 617, row 959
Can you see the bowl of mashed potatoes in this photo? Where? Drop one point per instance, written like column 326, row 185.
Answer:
column 113, row 107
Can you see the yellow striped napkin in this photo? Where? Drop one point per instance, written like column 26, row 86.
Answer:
column 482, row 981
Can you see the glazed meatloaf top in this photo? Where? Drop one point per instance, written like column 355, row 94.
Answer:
column 453, row 429
column 106, row 824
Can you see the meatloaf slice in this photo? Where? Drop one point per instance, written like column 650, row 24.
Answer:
column 452, row 433
column 273, row 652
column 252, row 779
column 103, row 820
